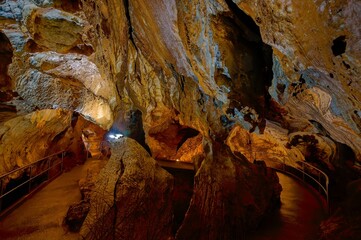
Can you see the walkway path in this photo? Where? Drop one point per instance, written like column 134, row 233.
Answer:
column 298, row 218
column 41, row 216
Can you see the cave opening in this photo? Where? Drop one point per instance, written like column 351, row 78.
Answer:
column 129, row 125
column 175, row 140
column 251, row 65
column 6, row 54
column 339, row 45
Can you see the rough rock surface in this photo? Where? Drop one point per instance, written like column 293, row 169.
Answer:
column 130, row 193
column 54, row 29
column 230, row 197
column 277, row 79
column 345, row 223
column 26, row 139
column 46, row 57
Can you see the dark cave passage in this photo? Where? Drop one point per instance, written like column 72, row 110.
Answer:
column 182, row 194
column 6, row 54
column 249, row 62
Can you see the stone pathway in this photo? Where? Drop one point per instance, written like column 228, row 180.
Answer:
column 42, row 215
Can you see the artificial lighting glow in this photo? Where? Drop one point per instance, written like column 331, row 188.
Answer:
column 115, row 136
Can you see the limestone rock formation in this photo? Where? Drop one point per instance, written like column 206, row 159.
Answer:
column 230, row 197
column 49, row 78
column 276, row 80
column 131, row 192
column 316, row 65
column 26, row 139
column 54, row 29
column 58, row 81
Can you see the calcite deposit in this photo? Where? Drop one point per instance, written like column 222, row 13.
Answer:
column 271, row 80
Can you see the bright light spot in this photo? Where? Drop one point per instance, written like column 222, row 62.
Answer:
column 177, row 160
column 115, row 136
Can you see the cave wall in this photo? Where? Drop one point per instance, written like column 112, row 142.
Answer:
column 272, row 79
column 208, row 65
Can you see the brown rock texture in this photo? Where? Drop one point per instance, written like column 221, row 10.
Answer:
column 316, row 67
column 230, row 197
column 26, row 139
column 275, row 80
column 131, row 192
column 54, row 29
column 345, row 223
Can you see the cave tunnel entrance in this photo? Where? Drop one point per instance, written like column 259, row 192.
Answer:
column 252, row 62
column 175, row 141
column 129, row 125
column 179, row 146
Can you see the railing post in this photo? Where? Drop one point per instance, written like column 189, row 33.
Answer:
column 319, row 181
column 62, row 162
column 303, row 172
column 327, row 200
column 30, row 173
column 48, row 168
column 1, row 193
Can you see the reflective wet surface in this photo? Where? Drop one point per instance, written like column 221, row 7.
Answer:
column 299, row 216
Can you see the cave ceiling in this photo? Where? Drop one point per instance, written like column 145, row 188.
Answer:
column 273, row 78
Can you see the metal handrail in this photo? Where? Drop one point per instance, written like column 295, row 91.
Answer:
column 285, row 168
column 33, row 163
column 29, row 167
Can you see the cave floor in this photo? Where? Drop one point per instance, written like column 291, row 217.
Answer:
column 41, row 216
column 299, row 216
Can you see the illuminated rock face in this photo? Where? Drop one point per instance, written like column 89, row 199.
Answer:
column 132, row 197
column 205, row 65
column 46, row 57
column 202, row 64
column 28, row 138
column 67, row 81
column 273, row 79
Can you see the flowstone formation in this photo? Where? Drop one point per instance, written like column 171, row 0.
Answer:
column 270, row 80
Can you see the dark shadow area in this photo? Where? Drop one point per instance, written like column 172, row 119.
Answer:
column 131, row 125
column 298, row 218
column 174, row 135
column 6, row 54
column 248, row 60
column 182, row 194
column 186, row 133
column 68, row 5
column 339, row 45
